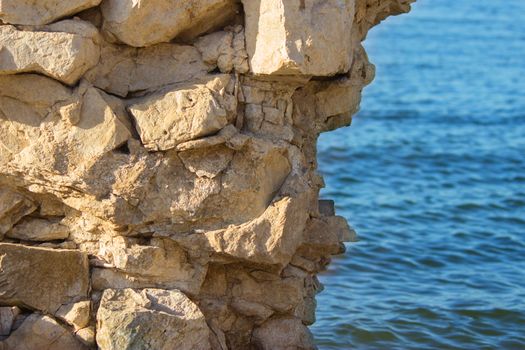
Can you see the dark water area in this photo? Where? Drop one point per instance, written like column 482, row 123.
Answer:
column 432, row 177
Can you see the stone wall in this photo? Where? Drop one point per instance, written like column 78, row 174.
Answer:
column 158, row 184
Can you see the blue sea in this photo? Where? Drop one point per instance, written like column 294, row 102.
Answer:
column 432, row 176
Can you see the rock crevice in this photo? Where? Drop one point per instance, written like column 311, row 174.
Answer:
column 158, row 175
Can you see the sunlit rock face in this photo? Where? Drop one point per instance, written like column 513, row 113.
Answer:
column 158, row 183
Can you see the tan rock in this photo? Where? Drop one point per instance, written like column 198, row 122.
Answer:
column 26, row 100
column 228, row 136
column 41, row 332
column 371, row 12
column 76, row 314
column 283, row 334
column 144, row 24
column 201, row 179
column 209, row 162
column 161, row 264
column 261, row 297
column 183, row 112
column 42, row 11
column 87, row 336
column 310, row 38
column 42, row 278
column 57, row 139
column 270, row 239
column 124, row 70
column 34, row 229
column 225, row 50
column 13, row 207
column 325, row 237
column 63, row 50
column 150, row 319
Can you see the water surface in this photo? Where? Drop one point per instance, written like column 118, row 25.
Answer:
column 432, row 176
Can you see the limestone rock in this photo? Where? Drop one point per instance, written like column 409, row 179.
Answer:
column 123, row 70
column 41, row 278
column 269, row 239
column 183, row 112
column 63, row 50
column 58, row 130
column 162, row 263
column 225, row 49
column 76, row 314
column 323, row 237
column 13, row 206
column 34, row 229
column 31, row 12
column 41, row 332
column 174, row 144
column 261, row 297
column 87, row 336
column 283, row 334
column 228, row 136
column 26, row 100
column 150, row 319
column 289, row 38
column 371, row 12
column 146, row 23
column 209, row 162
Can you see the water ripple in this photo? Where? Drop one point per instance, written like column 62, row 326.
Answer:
column 431, row 175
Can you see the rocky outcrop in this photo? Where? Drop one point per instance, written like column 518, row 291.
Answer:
column 158, row 181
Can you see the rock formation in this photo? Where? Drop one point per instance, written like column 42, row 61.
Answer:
column 158, row 183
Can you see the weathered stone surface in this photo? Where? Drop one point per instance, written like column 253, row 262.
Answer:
column 13, row 206
column 199, row 178
column 76, row 314
column 124, row 70
column 371, row 12
column 87, row 336
column 69, row 137
column 162, row 263
column 270, row 239
column 150, row 319
column 183, row 112
column 57, row 132
column 41, row 278
column 40, row 332
column 63, row 50
column 34, row 229
column 225, row 49
column 283, row 334
column 160, row 20
column 7, row 318
column 260, row 294
column 290, row 38
column 31, row 12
